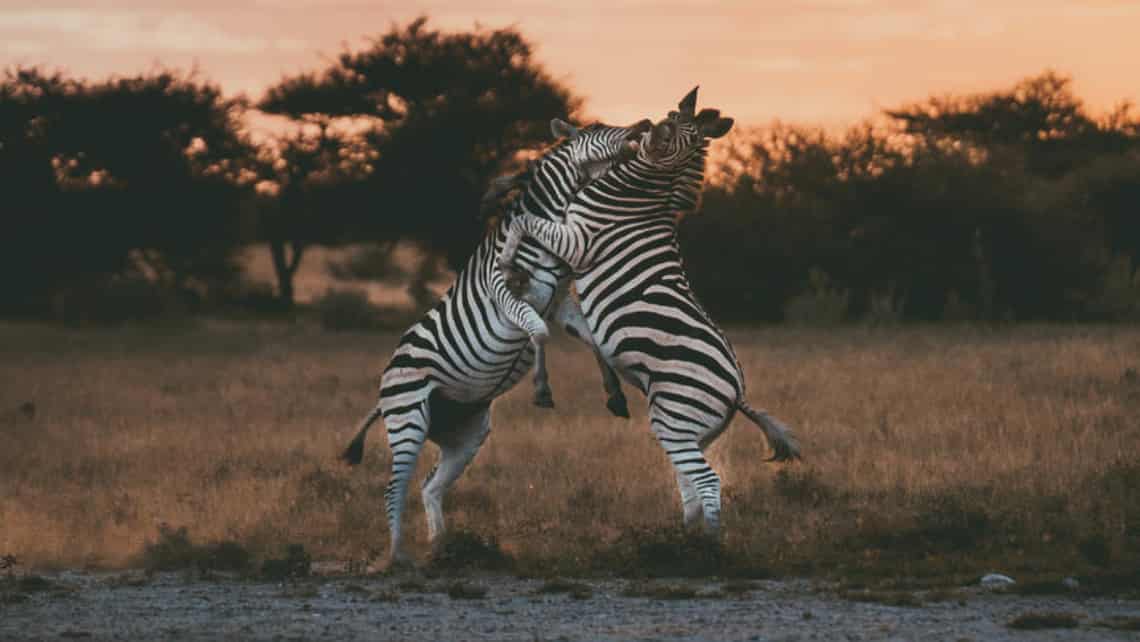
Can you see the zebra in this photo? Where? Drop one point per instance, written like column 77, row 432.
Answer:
column 474, row 345
column 620, row 238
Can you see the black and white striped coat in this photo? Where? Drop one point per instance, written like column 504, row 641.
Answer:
column 620, row 238
column 474, row 345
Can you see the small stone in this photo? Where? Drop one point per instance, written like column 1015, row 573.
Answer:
column 1071, row 583
column 995, row 581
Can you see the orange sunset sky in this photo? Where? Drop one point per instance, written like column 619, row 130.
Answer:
column 826, row 62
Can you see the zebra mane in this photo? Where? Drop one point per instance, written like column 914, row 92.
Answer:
column 515, row 184
column 689, row 183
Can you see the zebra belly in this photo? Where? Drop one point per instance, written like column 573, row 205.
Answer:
column 657, row 337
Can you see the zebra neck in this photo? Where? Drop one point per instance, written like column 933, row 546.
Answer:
column 555, row 182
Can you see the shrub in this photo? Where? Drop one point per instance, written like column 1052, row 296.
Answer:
column 347, row 310
column 1119, row 295
column 821, row 304
column 885, row 307
column 252, row 298
column 116, row 300
column 462, row 550
column 957, row 310
column 296, row 563
column 174, row 551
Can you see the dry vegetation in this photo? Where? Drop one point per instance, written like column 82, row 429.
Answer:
column 929, row 452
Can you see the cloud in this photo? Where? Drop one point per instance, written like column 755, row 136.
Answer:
column 176, row 32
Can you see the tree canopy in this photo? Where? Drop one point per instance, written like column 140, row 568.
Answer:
column 137, row 173
column 448, row 110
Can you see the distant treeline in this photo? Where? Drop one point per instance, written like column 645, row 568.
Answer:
column 130, row 197
column 1012, row 205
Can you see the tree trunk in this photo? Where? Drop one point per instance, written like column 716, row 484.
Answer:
column 285, row 266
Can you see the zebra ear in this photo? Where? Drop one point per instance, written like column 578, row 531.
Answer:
column 639, row 128
column 716, row 128
column 562, row 129
column 688, row 104
column 707, row 115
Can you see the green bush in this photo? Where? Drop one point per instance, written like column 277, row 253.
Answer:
column 347, row 310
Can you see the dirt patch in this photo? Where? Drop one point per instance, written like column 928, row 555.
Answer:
column 496, row 607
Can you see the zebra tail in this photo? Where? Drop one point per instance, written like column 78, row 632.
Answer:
column 355, row 451
column 784, row 445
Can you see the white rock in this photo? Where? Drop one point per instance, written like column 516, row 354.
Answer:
column 997, row 580
column 1071, row 583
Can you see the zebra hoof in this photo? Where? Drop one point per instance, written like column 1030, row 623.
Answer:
column 617, row 406
column 543, row 398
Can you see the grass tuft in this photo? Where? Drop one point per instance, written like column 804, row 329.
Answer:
column 1044, row 620
column 173, row 551
column 647, row 552
column 466, row 591
column 1121, row 623
column 660, row 591
column 465, row 551
column 559, row 585
column 414, row 586
column 297, row 563
column 738, row 587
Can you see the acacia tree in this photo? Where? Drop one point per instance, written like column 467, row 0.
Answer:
column 447, row 111
column 309, row 180
column 1039, row 120
column 127, row 173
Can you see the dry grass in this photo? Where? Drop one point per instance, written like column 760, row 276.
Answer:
column 930, row 451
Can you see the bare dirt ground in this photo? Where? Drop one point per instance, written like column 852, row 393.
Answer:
column 103, row 606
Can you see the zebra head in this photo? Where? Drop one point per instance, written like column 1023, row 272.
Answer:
column 596, row 147
column 671, row 142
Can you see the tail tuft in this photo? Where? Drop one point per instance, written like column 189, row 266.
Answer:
column 355, row 451
column 784, row 445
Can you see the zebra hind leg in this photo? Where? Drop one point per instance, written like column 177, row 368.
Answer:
column 458, row 445
column 690, row 501
column 689, row 462
column 406, row 440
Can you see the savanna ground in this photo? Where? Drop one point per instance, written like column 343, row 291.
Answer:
column 932, row 455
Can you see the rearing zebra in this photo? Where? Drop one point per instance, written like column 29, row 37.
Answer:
column 620, row 238
column 474, row 344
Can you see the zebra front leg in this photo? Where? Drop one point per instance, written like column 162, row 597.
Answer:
column 543, row 395
column 564, row 241
column 457, row 448
column 406, row 441
column 506, row 256
column 525, row 317
column 569, row 315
